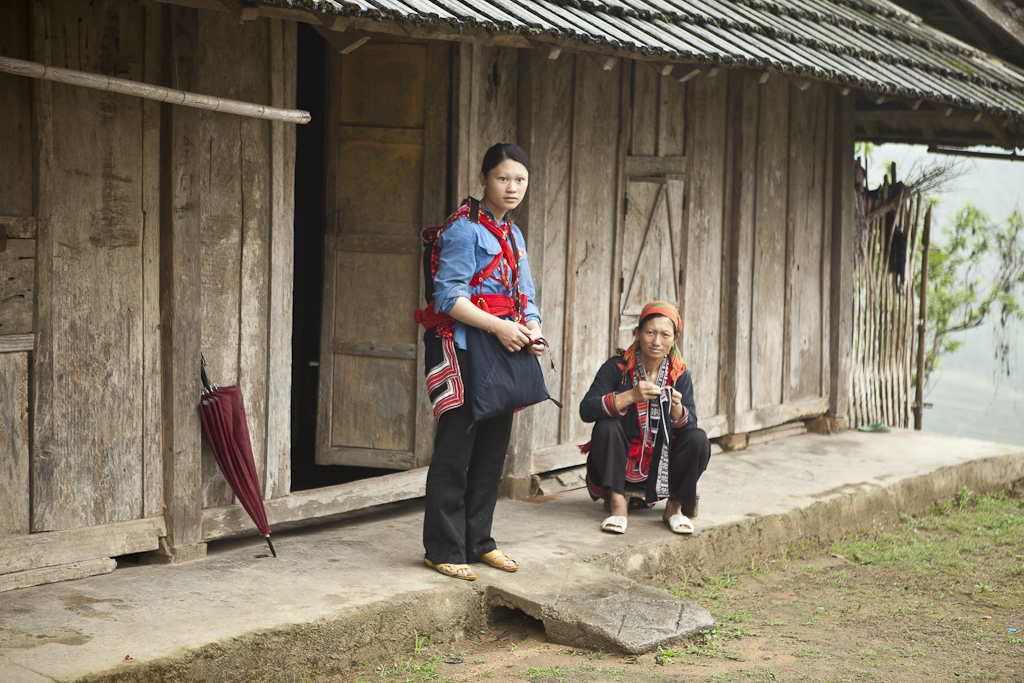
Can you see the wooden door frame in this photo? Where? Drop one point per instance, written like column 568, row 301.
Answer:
column 434, row 210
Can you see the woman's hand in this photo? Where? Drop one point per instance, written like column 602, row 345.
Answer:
column 535, row 349
column 511, row 334
column 677, row 405
column 645, row 391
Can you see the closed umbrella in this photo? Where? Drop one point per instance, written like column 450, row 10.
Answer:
column 223, row 416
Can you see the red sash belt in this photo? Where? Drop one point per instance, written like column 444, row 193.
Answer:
column 497, row 305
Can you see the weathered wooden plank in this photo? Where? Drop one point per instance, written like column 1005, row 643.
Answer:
column 43, row 201
column 152, row 464
column 771, row 416
column 783, row 431
column 376, row 349
column 12, row 343
column 569, row 354
column 383, row 136
column 90, row 469
column 384, row 458
column 181, row 295
column 621, row 190
column 494, row 101
column 378, row 415
column 556, row 458
column 828, row 187
column 318, row 503
column 282, row 58
column 17, row 263
column 19, row 227
column 435, row 209
column 236, row 197
column 841, row 292
column 639, row 166
column 557, row 84
column 14, row 465
column 382, row 244
column 744, row 113
column 462, row 116
column 62, row 572
column 16, row 118
column 531, row 133
column 769, row 283
column 701, row 298
column 804, row 255
column 671, row 118
column 643, row 139
column 596, row 130
column 53, row 548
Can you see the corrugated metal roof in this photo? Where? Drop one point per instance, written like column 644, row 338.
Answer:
column 871, row 44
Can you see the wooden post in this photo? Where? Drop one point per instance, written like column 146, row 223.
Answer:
column 180, row 219
column 41, row 383
column 922, row 323
column 568, row 329
column 841, row 295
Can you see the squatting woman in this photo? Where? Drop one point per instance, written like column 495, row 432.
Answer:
column 645, row 439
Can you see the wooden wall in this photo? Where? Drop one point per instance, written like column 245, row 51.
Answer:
column 80, row 339
column 715, row 193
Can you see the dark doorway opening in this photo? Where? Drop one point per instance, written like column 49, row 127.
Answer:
column 310, row 140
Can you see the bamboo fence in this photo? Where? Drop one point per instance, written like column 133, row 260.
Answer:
column 885, row 316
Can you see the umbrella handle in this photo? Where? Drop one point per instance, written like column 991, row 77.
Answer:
column 272, row 551
column 202, row 374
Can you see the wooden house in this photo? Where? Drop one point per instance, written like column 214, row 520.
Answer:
column 700, row 152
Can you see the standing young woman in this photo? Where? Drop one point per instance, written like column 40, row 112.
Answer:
column 481, row 278
column 645, row 432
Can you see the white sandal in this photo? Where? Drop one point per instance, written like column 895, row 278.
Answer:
column 615, row 524
column 680, row 524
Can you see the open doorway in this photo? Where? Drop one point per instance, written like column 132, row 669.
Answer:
column 311, row 92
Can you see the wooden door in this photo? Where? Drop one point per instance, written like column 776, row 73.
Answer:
column 386, row 152
column 650, row 248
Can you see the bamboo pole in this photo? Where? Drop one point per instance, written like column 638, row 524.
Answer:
column 922, row 321
column 122, row 86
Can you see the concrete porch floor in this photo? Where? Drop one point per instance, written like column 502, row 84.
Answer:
column 343, row 590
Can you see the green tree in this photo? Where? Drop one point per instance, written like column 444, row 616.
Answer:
column 976, row 276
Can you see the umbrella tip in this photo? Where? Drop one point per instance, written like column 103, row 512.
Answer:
column 270, row 543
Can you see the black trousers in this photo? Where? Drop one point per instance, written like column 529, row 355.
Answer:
column 688, row 457
column 462, row 484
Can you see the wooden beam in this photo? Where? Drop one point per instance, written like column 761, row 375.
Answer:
column 277, row 482
column 549, row 50
column 62, row 572
column 569, row 301
column 180, row 285
column 52, row 548
column 935, row 149
column 243, row 11
column 344, row 42
column 842, row 257
column 648, row 166
column 662, row 68
column 123, row 86
column 45, row 201
column 773, row 416
column 800, row 83
column 606, row 62
column 318, row 503
column 689, row 74
column 14, row 343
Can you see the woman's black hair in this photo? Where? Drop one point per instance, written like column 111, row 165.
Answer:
column 498, row 153
column 652, row 316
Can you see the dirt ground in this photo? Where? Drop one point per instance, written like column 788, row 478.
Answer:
column 941, row 598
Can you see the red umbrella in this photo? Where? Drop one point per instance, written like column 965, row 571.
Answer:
column 223, row 416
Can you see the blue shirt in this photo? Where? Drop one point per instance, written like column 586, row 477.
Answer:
column 466, row 249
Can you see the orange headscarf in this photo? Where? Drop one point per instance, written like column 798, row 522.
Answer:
column 676, row 364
